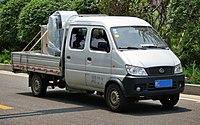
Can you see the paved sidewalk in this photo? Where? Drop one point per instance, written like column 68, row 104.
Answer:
column 11, row 73
column 190, row 96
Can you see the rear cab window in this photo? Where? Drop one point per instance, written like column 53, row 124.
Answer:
column 78, row 37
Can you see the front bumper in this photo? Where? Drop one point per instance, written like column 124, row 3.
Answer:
column 147, row 85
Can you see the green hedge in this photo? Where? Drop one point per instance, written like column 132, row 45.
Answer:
column 8, row 23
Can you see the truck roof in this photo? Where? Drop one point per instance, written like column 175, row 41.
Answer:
column 109, row 21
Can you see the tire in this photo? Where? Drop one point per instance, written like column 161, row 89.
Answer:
column 38, row 86
column 115, row 99
column 170, row 101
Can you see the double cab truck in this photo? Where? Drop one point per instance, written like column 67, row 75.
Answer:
column 121, row 58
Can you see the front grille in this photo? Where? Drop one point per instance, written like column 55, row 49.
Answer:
column 154, row 71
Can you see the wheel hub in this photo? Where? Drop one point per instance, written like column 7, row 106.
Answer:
column 114, row 97
column 37, row 85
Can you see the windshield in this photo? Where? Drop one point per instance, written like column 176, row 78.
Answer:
column 136, row 38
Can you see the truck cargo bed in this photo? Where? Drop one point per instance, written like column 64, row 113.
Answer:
column 36, row 62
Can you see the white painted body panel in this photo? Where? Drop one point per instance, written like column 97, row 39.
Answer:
column 151, row 58
column 110, row 21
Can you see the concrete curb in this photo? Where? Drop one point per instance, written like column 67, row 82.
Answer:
column 189, row 88
column 7, row 67
column 192, row 89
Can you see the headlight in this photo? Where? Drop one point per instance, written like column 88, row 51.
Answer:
column 178, row 69
column 137, row 71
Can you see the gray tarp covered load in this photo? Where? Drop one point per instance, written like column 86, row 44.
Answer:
column 55, row 29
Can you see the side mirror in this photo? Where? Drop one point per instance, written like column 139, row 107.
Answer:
column 164, row 40
column 167, row 41
column 103, row 46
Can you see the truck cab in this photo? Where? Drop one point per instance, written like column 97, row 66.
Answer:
column 122, row 58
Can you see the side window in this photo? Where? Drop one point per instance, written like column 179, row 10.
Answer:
column 99, row 40
column 78, row 36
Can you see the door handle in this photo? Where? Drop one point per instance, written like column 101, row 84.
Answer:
column 68, row 57
column 89, row 59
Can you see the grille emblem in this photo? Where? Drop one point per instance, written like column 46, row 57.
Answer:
column 161, row 70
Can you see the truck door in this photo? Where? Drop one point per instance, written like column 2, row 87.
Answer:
column 75, row 57
column 98, row 59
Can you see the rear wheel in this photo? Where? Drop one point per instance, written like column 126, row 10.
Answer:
column 170, row 101
column 38, row 86
column 115, row 99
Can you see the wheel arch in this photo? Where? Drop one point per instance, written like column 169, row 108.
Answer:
column 118, row 83
column 31, row 74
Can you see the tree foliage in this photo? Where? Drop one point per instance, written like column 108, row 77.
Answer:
column 184, row 24
column 34, row 14
column 153, row 12
column 64, row 4
column 4, row 1
column 8, row 23
column 81, row 6
column 114, row 7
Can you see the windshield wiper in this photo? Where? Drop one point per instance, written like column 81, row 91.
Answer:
column 149, row 47
column 129, row 48
column 153, row 46
column 163, row 47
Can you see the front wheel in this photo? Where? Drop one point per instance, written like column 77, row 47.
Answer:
column 115, row 99
column 38, row 86
column 170, row 101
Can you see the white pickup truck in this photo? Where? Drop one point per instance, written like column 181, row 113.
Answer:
column 122, row 58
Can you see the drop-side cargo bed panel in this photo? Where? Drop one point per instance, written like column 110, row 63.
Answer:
column 36, row 62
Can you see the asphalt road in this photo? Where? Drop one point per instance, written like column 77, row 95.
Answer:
column 19, row 107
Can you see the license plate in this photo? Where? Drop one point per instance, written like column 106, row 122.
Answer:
column 163, row 83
